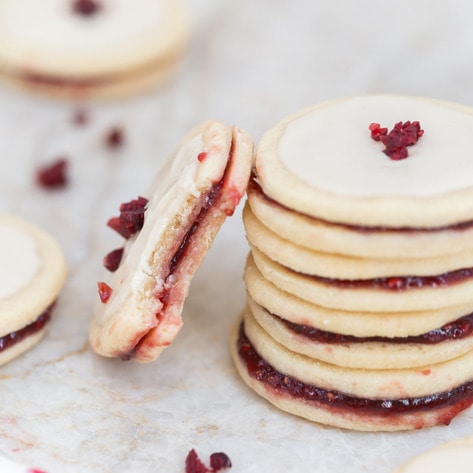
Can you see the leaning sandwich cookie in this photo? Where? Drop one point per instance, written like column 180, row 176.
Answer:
column 90, row 48
column 32, row 273
column 167, row 234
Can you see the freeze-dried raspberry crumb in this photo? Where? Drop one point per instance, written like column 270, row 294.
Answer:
column 113, row 259
column 115, row 138
column 34, row 470
column 80, row 118
column 398, row 139
column 53, row 175
column 201, row 156
column 105, row 291
column 194, row 463
column 86, row 7
column 131, row 217
column 218, row 462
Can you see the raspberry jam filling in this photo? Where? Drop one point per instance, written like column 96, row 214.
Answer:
column 457, row 399
column 256, row 188
column 7, row 341
column 460, row 328
column 399, row 283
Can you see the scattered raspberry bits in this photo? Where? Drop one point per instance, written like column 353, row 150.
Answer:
column 398, row 139
column 113, row 259
column 218, row 463
column 86, row 7
column 131, row 218
column 201, row 156
column 80, row 118
column 53, row 175
column 115, row 138
column 105, row 291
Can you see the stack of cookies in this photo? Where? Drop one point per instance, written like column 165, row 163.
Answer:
column 360, row 275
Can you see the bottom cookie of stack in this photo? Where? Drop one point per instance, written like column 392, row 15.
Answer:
column 357, row 399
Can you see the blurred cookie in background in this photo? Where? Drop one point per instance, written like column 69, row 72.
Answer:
column 79, row 49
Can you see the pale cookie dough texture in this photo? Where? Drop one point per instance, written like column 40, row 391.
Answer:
column 32, row 273
column 360, row 272
column 113, row 48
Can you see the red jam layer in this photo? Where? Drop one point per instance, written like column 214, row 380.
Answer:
column 7, row 341
column 457, row 399
column 399, row 283
column 255, row 187
column 460, row 328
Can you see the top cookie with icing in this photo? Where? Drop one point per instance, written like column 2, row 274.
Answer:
column 323, row 162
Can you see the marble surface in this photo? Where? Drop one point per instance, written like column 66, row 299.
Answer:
column 65, row 409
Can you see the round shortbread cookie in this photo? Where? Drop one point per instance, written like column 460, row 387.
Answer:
column 384, row 243
column 194, row 191
column 381, row 384
column 90, row 47
column 329, row 413
column 362, row 298
column 340, row 266
column 456, row 453
column 360, row 354
column 323, row 162
column 32, row 272
column 358, row 324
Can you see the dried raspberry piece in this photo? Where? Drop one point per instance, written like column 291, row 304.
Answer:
column 115, row 138
column 398, row 139
column 105, row 291
column 194, row 464
column 53, row 175
column 113, row 259
column 219, row 461
column 201, row 156
column 80, row 118
column 86, row 7
column 131, row 217
column 377, row 131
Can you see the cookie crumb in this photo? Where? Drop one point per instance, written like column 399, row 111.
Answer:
column 54, row 175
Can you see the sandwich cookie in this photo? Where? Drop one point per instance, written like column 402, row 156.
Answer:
column 167, row 234
column 360, row 273
column 32, row 271
column 90, row 48
column 457, row 453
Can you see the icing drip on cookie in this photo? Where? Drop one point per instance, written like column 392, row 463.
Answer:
column 19, row 260
column 330, row 149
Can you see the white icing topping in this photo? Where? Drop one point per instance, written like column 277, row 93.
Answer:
column 19, row 260
column 442, row 460
column 41, row 23
column 331, row 148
